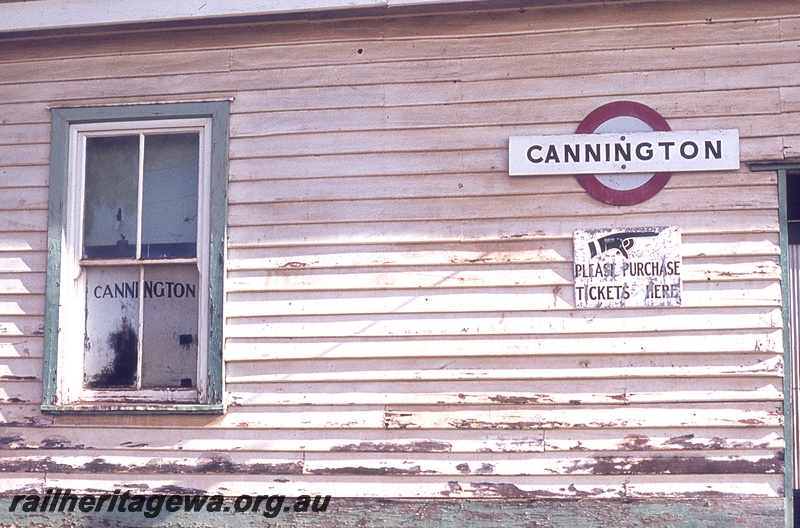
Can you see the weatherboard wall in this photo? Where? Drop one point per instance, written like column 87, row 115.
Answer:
column 400, row 319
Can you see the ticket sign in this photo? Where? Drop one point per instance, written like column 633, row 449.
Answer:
column 624, row 268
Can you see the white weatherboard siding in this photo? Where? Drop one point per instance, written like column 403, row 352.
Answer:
column 400, row 311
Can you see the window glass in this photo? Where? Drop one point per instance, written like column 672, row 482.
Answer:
column 169, row 198
column 111, row 342
column 169, row 329
column 793, row 208
column 110, row 212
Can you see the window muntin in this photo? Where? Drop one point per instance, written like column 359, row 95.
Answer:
column 137, row 326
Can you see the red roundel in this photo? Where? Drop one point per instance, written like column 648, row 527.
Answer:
column 612, row 116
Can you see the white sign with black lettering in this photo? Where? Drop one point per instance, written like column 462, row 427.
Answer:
column 635, row 267
column 624, row 152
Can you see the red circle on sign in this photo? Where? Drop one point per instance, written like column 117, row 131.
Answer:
column 598, row 189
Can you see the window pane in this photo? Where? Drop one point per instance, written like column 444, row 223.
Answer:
column 112, row 324
column 170, row 331
column 169, row 210
column 112, row 180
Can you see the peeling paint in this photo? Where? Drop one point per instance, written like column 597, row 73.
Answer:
column 294, row 264
column 10, row 442
column 202, row 466
column 58, row 442
column 686, row 442
column 578, row 447
column 508, row 491
column 376, row 471
column 29, row 421
column 751, row 421
column 223, row 464
column 421, row 446
column 133, row 444
column 452, row 487
column 485, row 469
column 521, row 400
column 178, row 490
column 634, row 442
column 675, row 465
column 479, row 424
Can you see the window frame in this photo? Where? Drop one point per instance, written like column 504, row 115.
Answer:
column 58, row 393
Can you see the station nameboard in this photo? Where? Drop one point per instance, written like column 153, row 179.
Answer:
column 635, row 267
column 626, row 152
column 623, row 153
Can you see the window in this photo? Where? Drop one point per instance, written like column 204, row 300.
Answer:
column 136, row 246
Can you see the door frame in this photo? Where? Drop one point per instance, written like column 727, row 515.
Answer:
column 791, row 423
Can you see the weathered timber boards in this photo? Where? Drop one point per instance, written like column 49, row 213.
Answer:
column 398, row 464
column 608, row 20
column 676, row 367
column 609, row 417
column 466, row 300
column 233, row 55
column 323, row 55
column 755, row 221
column 269, row 144
column 86, row 439
column 439, row 139
column 532, row 114
column 488, row 323
column 592, row 391
column 721, row 341
column 424, row 486
column 11, row 347
column 506, row 251
column 455, row 208
column 457, row 276
column 447, row 185
column 403, row 107
column 477, row 417
column 691, row 342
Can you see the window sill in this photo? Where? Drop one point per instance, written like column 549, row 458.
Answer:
column 134, row 408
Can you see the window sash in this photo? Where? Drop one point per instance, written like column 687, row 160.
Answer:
column 74, row 265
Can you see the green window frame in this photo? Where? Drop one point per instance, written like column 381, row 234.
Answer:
column 61, row 392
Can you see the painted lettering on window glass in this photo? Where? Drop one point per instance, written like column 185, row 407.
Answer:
column 141, row 327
